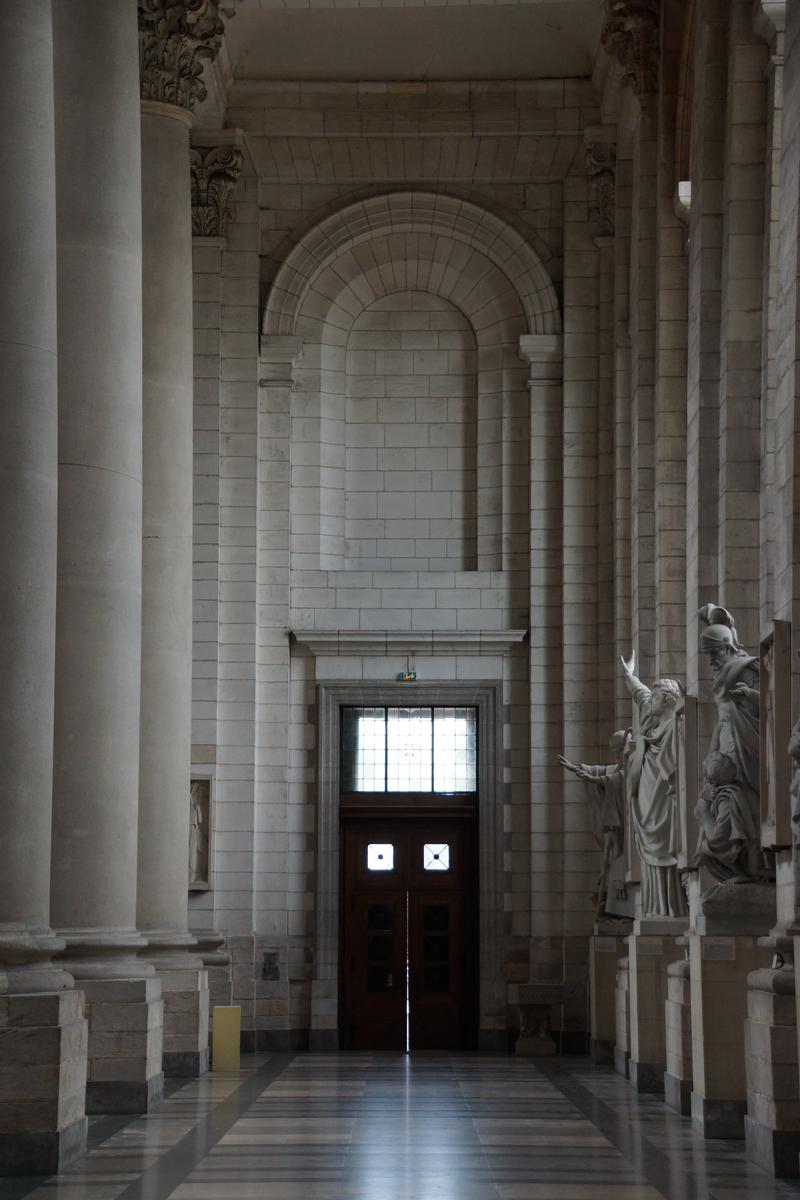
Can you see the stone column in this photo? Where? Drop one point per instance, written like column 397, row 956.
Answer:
column 45, row 1126
column 173, row 42
column 622, row 1018
column 678, row 1020
column 605, row 950
column 98, row 618
column 544, row 355
column 651, row 948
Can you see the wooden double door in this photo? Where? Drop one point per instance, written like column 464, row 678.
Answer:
column 409, row 936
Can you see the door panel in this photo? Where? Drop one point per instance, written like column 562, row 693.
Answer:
column 409, row 902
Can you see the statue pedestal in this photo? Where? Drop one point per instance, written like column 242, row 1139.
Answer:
column 605, row 948
column 719, row 968
column 723, row 949
column 772, row 1124
column 622, row 1018
column 651, row 948
column 678, row 1021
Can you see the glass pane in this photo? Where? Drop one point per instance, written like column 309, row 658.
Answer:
column 363, row 750
column 455, row 741
column 379, row 949
column 436, row 856
column 437, row 947
column 379, row 979
column 380, row 916
column 436, row 979
column 409, row 750
column 380, row 856
column 435, row 917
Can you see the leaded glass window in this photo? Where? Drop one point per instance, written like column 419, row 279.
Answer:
column 405, row 749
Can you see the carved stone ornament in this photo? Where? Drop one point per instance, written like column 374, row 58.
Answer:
column 175, row 37
column 214, row 175
column 601, row 163
column 631, row 35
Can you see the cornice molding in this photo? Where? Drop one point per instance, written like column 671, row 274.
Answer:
column 383, row 642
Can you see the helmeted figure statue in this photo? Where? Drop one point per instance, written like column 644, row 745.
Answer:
column 651, row 793
column 734, row 841
column 606, row 785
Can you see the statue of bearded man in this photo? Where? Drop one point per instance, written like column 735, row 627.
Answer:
column 652, row 795
column 735, row 691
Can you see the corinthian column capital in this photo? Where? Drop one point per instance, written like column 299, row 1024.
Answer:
column 175, row 38
column 631, row 35
column 214, row 175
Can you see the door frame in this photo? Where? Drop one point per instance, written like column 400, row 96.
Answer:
column 484, row 695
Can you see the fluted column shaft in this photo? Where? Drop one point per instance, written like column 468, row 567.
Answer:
column 28, row 483
column 167, row 545
column 96, row 749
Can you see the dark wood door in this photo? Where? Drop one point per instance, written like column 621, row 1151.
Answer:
column 409, row 934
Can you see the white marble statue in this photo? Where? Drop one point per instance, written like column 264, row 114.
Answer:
column 794, row 754
column 731, row 849
column 198, row 835
column 606, row 787
column 652, row 795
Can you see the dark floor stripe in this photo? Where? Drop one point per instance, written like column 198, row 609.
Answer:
column 172, row 1168
column 673, row 1178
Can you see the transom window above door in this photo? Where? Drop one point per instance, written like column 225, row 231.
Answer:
column 430, row 749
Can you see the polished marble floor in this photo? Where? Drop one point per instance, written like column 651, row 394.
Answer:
column 393, row 1127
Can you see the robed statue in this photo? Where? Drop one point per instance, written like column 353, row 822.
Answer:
column 652, row 794
column 729, row 808
column 606, row 787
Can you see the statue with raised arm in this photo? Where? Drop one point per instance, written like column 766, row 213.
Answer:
column 652, row 794
column 606, row 787
column 730, row 795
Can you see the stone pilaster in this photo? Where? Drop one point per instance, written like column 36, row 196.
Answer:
column 605, row 951
column 176, row 37
column 678, row 1020
column 772, row 1123
column 42, row 1029
column 622, row 1018
column 651, row 948
column 98, row 617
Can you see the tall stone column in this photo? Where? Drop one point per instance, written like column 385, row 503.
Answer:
column 98, row 615
column 174, row 39
column 45, row 1126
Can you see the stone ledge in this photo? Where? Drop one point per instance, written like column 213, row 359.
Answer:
column 382, row 642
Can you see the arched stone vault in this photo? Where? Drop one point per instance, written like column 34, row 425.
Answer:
column 397, row 243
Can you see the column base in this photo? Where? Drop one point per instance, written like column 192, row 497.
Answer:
column 186, row 1016
column 601, row 1052
column 776, row 1151
column 186, row 1064
column 646, row 1078
column 622, row 1062
column 124, row 1097
column 43, row 1153
column 718, row 1118
column 43, row 1047
column 126, row 1028
column 678, row 1094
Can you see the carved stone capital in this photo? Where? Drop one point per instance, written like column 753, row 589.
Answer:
column 631, row 35
column 214, row 174
column 601, row 165
column 175, row 38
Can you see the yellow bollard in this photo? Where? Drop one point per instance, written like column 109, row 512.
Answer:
column 226, row 1029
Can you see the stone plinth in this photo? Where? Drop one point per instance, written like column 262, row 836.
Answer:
column 622, row 1018
column 649, row 955
column 772, row 1123
column 186, row 1014
column 126, row 1025
column 217, row 962
column 678, row 1021
column 719, row 969
column 43, row 1045
column 604, row 953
